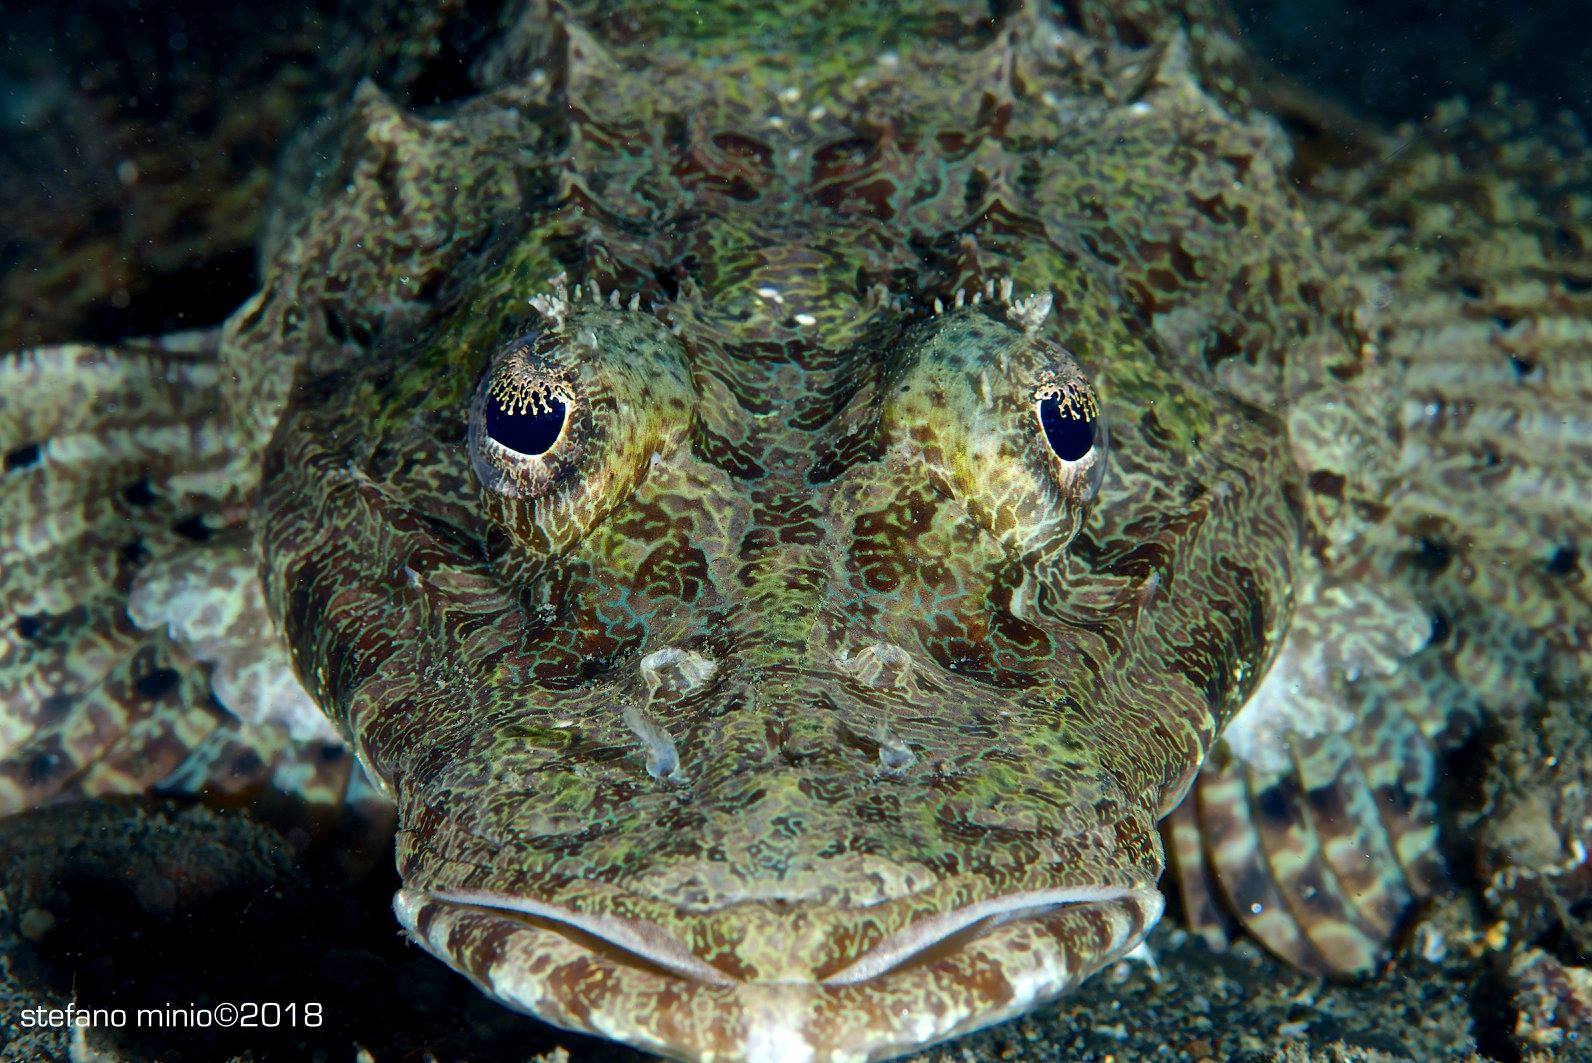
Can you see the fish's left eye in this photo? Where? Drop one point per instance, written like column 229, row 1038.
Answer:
column 531, row 421
column 1074, row 426
column 566, row 421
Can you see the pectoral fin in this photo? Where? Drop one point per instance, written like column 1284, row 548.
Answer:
column 136, row 654
column 1451, row 534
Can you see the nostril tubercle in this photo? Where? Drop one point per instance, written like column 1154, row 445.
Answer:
column 672, row 670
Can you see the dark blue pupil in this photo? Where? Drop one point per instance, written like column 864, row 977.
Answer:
column 1069, row 435
column 528, row 429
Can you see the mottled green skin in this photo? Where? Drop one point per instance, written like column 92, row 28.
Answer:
column 799, row 702
column 789, row 487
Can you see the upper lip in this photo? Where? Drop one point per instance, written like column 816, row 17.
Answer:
column 656, row 946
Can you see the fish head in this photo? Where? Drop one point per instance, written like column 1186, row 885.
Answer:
column 758, row 727
column 769, row 650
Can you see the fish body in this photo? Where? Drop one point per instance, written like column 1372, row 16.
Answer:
column 784, row 525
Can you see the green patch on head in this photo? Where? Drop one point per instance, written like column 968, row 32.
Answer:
column 444, row 368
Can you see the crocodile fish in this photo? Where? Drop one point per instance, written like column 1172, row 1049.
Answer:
column 812, row 523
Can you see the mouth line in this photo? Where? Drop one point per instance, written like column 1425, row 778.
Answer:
column 643, row 943
column 635, row 982
column 637, row 938
column 925, row 935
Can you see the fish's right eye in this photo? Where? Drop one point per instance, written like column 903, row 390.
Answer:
column 1069, row 431
column 529, row 422
column 1073, row 424
column 568, row 420
column 1004, row 421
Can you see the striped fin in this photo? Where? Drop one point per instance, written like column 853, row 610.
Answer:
column 1321, row 854
column 1286, row 829
column 1457, row 455
column 136, row 653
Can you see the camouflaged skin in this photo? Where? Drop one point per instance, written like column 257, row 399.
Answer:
column 800, row 702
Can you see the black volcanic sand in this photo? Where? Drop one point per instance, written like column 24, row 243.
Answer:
column 130, row 905
column 134, row 905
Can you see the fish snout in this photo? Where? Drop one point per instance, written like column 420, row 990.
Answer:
column 672, row 990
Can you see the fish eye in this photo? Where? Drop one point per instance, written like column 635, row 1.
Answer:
column 1069, row 428
column 528, row 420
column 568, row 419
column 1074, row 427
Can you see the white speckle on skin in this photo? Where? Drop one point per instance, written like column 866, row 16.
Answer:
column 676, row 671
column 805, row 320
column 1018, row 605
column 1432, row 945
column 895, row 756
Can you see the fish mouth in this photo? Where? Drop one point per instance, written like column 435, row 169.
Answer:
column 634, row 981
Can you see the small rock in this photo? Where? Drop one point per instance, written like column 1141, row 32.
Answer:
column 1554, row 1000
column 35, row 923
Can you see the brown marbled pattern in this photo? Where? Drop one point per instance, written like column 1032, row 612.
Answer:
column 800, row 701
